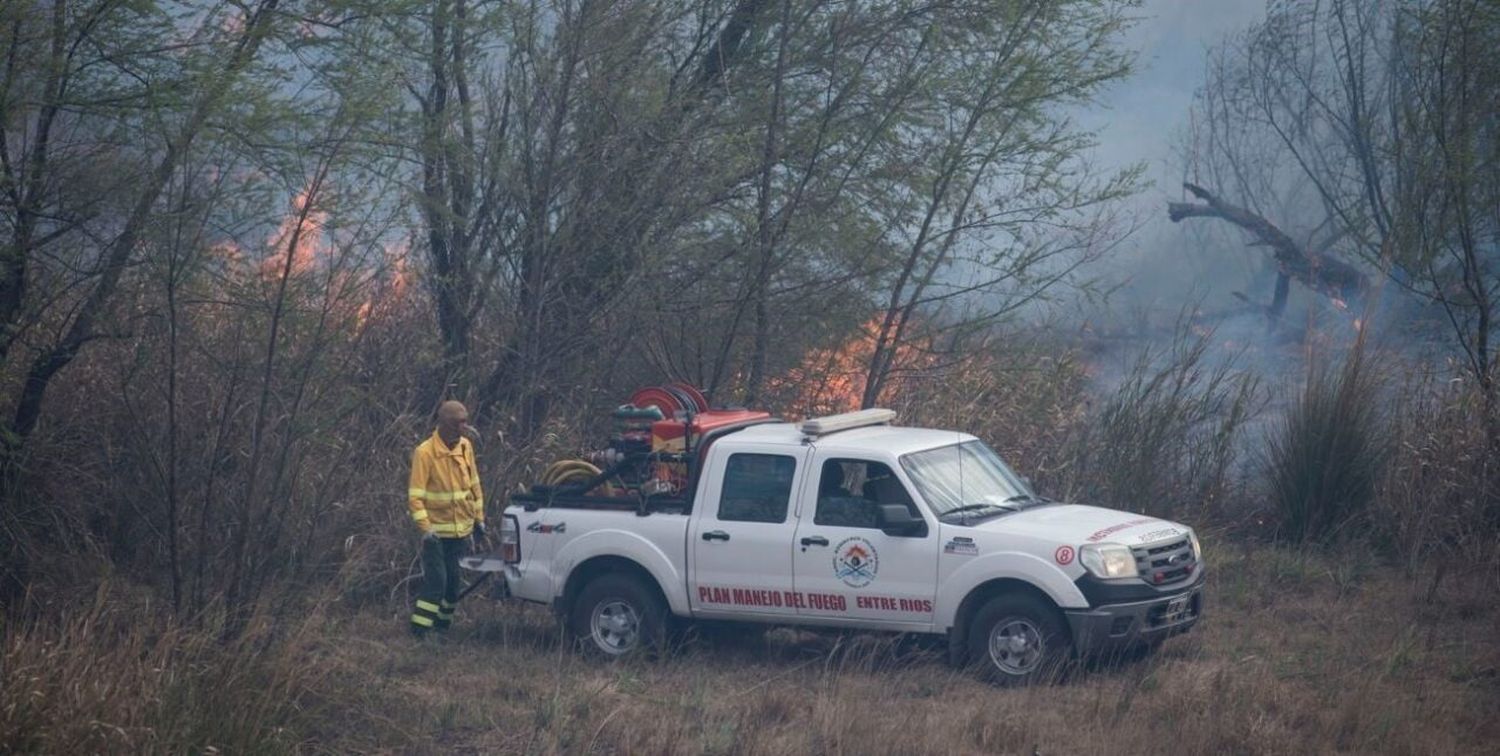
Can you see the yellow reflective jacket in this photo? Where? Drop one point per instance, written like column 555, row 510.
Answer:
column 444, row 493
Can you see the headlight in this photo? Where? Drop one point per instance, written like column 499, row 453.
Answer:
column 1108, row 560
column 1197, row 550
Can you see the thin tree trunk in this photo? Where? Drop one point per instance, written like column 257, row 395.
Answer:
column 235, row 596
column 1278, row 301
column 215, row 454
column 13, row 284
column 172, row 505
column 765, row 242
column 444, row 220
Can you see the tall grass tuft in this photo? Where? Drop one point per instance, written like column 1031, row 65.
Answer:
column 1324, row 456
column 1167, row 439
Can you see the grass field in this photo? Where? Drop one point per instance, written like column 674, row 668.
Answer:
column 1297, row 654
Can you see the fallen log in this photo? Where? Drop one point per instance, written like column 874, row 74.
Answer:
column 1320, row 272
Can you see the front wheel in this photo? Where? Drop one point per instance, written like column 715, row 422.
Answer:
column 1017, row 640
column 617, row 616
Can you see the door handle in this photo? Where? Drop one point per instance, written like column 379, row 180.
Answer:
column 715, row 535
column 815, row 541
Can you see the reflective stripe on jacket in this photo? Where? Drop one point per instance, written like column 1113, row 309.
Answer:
column 444, row 493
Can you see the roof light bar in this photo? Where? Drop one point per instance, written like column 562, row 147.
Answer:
column 822, row 426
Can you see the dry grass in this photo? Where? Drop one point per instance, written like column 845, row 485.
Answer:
column 1300, row 654
column 110, row 679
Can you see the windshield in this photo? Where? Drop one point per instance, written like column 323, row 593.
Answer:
column 966, row 474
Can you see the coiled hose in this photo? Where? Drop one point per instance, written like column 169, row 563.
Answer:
column 568, row 471
column 575, row 472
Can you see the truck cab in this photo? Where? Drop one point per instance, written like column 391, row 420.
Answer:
column 851, row 522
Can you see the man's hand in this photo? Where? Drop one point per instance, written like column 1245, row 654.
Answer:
column 481, row 534
column 429, row 537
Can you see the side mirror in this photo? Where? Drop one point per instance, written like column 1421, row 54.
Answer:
column 898, row 520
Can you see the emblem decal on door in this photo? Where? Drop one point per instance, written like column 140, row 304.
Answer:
column 960, row 545
column 855, row 562
column 538, row 527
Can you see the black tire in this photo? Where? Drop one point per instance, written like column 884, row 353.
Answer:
column 618, row 617
column 1017, row 640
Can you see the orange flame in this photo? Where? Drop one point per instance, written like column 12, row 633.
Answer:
column 300, row 235
column 832, row 380
column 389, row 294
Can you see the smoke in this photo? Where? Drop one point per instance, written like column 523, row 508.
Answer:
column 1204, row 274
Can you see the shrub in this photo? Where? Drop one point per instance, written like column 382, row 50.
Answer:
column 1324, row 456
column 1430, row 502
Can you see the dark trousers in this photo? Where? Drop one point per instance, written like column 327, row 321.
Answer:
column 441, row 583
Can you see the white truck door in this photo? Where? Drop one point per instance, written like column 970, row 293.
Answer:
column 741, row 534
column 846, row 565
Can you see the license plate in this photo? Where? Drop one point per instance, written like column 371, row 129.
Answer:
column 1176, row 609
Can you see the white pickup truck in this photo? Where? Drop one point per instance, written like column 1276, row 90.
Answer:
column 849, row 522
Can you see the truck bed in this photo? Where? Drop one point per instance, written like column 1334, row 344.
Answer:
column 533, row 501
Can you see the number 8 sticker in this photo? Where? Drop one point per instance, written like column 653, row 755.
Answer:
column 1064, row 555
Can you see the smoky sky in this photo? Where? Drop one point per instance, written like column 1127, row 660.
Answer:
column 1137, row 119
column 1142, row 120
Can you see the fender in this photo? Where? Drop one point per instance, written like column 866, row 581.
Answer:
column 629, row 545
column 1027, row 568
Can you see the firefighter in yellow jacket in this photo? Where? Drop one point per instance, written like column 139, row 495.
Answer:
column 447, row 505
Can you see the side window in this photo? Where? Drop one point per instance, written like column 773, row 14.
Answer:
column 757, row 488
column 850, row 492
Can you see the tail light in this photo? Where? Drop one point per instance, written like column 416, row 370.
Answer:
column 510, row 540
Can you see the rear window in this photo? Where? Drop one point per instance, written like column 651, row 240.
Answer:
column 757, row 488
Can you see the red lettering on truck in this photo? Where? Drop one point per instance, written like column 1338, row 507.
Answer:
column 1100, row 535
column 823, row 602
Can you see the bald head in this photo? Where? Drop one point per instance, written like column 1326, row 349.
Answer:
column 453, row 419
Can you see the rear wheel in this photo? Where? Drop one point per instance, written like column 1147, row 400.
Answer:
column 1018, row 640
column 616, row 616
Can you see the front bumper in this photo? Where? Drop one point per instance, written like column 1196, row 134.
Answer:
column 1115, row 627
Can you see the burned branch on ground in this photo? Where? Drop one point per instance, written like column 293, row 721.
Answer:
column 1320, row 272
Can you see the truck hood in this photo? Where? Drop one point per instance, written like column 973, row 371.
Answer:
column 1079, row 524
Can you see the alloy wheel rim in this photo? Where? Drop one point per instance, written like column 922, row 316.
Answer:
column 1016, row 646
column 616, row 626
